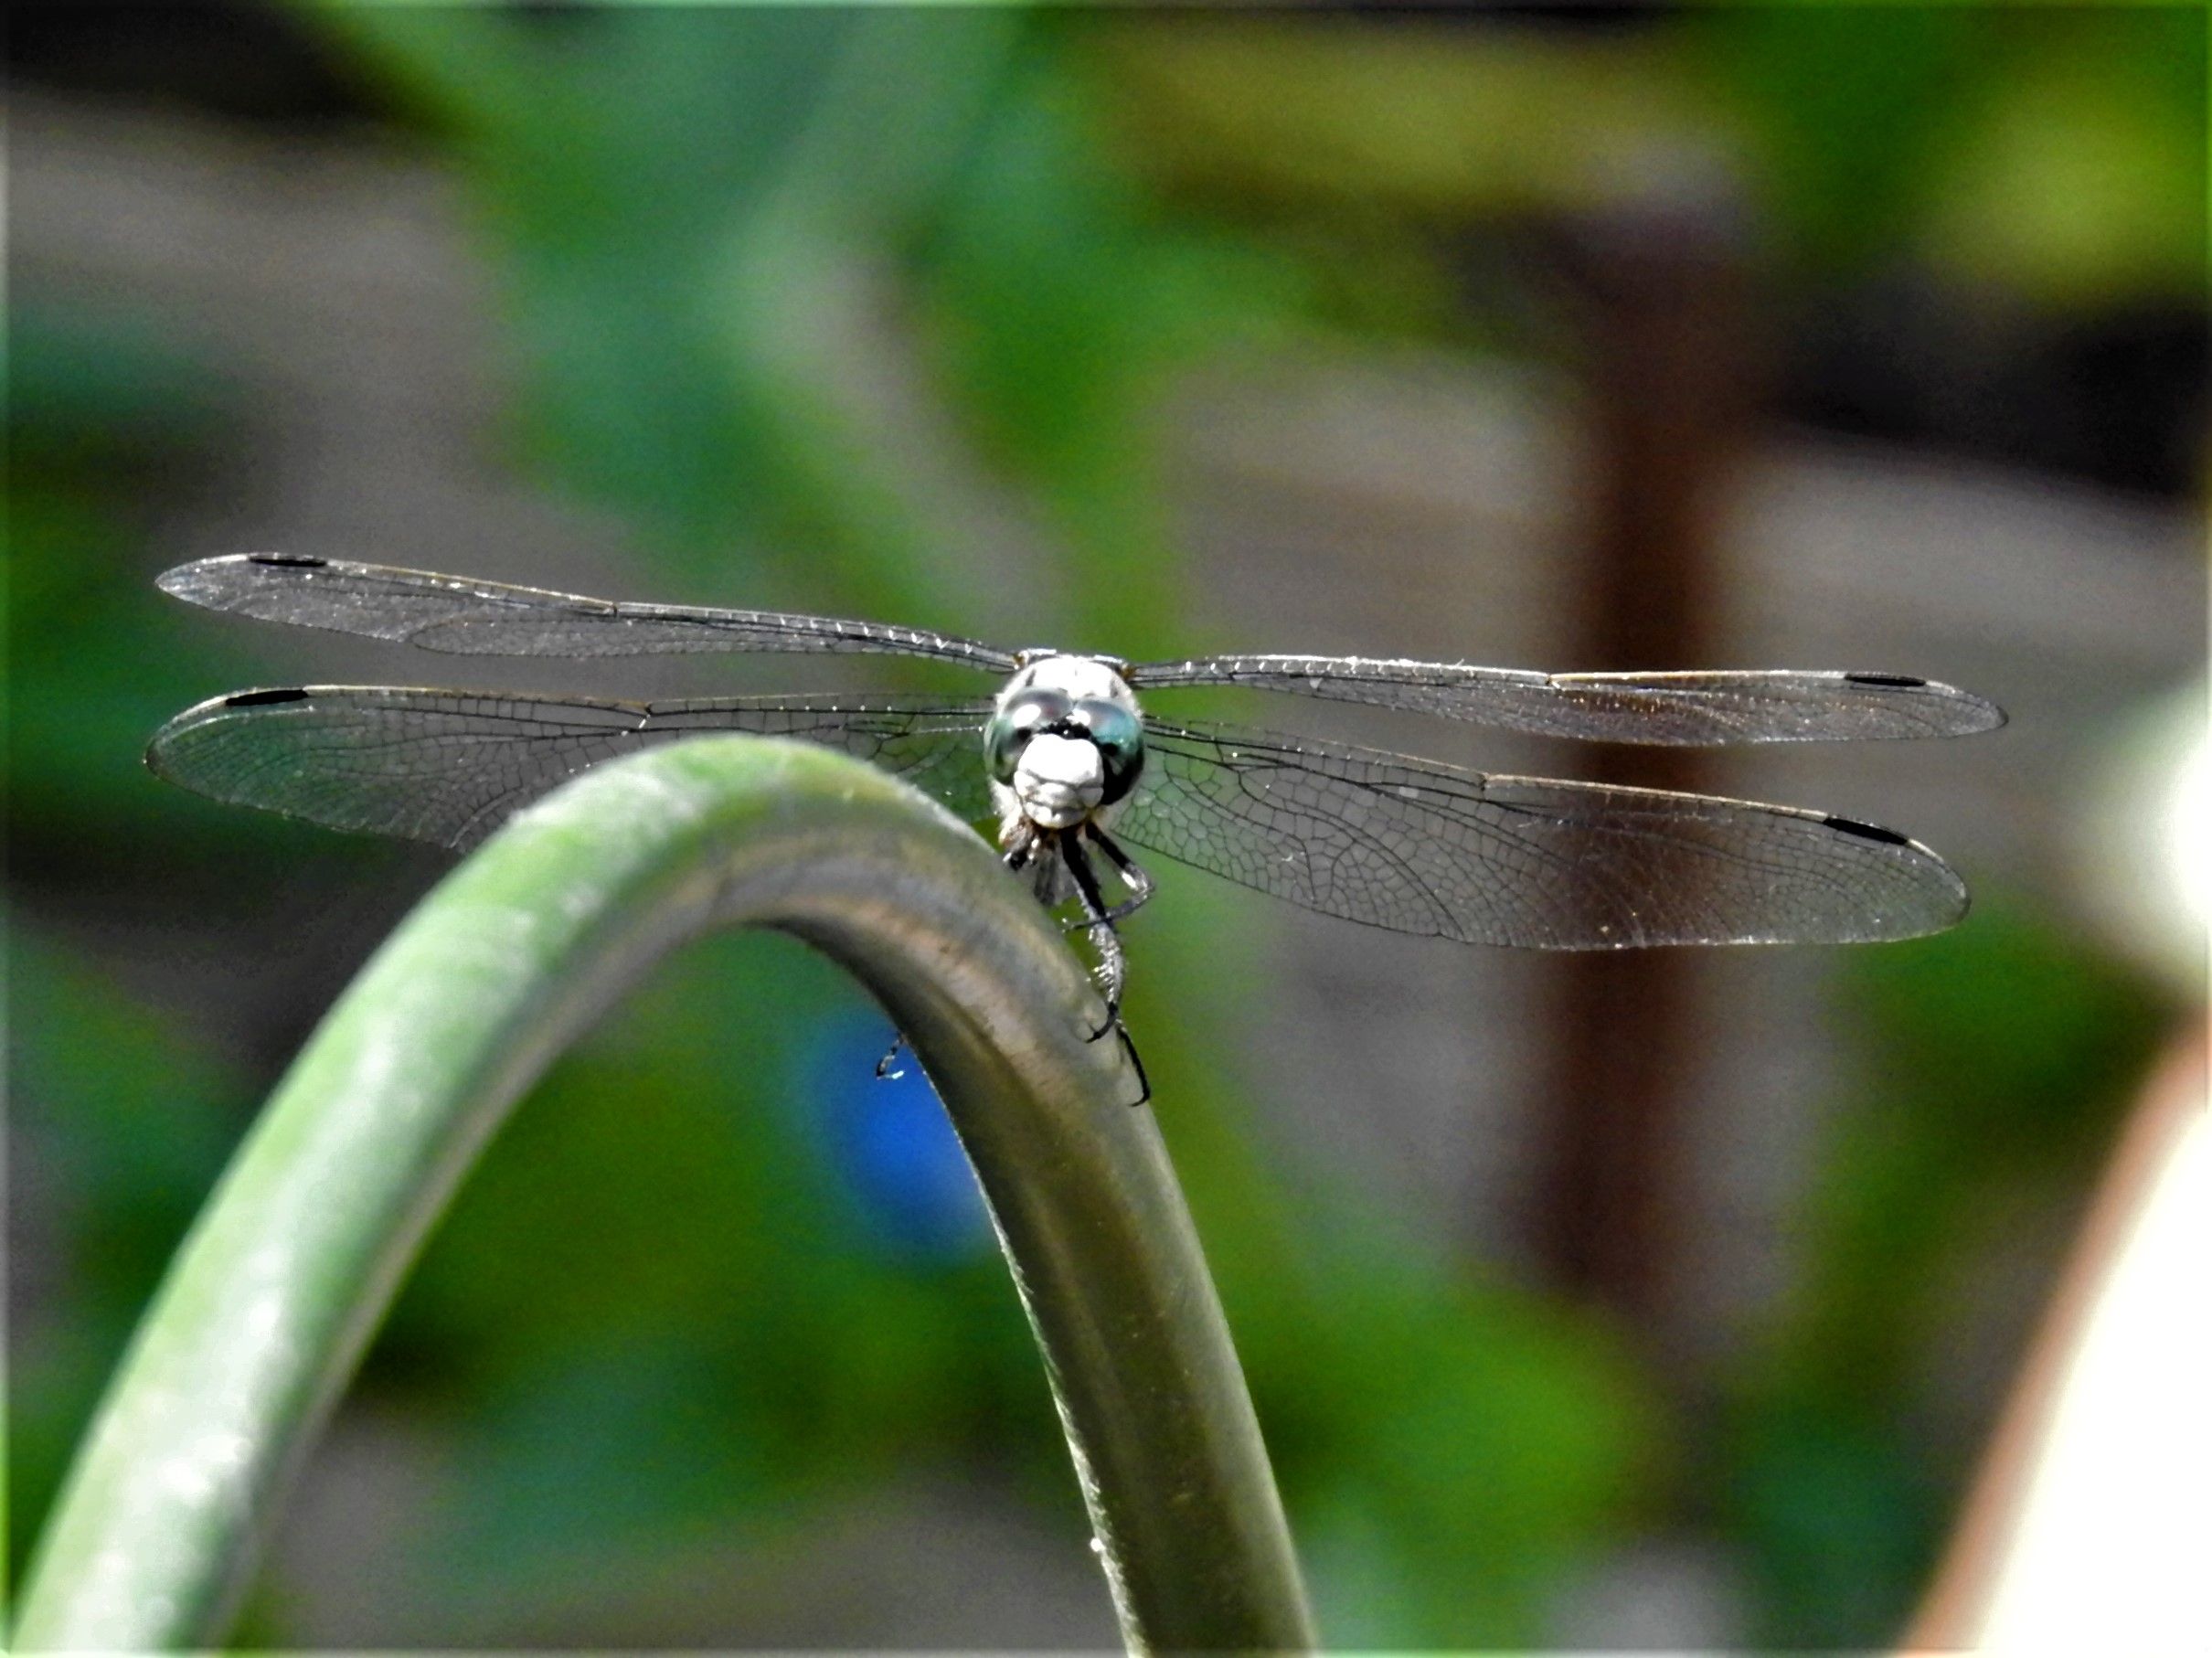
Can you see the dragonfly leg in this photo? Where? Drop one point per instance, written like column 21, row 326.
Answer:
column 884, row 1073
column 1114, row 966
column 1133, row 877
column 1130, row 1047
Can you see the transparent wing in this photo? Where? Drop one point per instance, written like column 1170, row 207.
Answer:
column 490, row 618
column 1746, row 707
column 448, row 766
column 1423, row 848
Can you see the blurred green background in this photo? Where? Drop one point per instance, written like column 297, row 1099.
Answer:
column 926, row 315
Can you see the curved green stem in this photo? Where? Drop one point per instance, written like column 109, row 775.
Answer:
column 270, row 1303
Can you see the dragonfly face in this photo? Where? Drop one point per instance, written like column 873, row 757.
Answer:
column 1375, row 837
column 1065, row 745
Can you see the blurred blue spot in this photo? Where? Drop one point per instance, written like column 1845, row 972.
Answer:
column 891, row 1147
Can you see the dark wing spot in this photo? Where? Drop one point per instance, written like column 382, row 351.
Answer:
column 1871, row 832
column 254, row 699
column 298, row 561
column 1903, row 681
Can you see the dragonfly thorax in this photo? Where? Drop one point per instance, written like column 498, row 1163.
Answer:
column 1065, row 743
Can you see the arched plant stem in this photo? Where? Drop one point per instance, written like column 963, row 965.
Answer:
column 268, row 1307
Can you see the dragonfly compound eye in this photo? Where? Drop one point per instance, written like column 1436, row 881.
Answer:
column 1017, row 719
column 1120, row 737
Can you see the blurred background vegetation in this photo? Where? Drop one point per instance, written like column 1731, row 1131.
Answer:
column 906, row 314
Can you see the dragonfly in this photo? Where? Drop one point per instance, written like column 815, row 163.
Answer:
column 1069, row 767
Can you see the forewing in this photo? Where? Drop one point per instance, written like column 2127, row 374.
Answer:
column 448, row 766
column 1746, row 707
column 1423, row 848
column 457, row 614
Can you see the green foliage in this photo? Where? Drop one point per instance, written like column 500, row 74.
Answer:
column 1995, row 1063
column 2051, row 155
column 1847, row 104
column 123, row 1122
column 98, row 411
column 2082, row 180
column 707, row 222
column 1061, row 303
column 675, row 200
column 2049, row 152
column 1461, row 1442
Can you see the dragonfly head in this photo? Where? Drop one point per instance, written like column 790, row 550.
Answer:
column 1064, row 740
